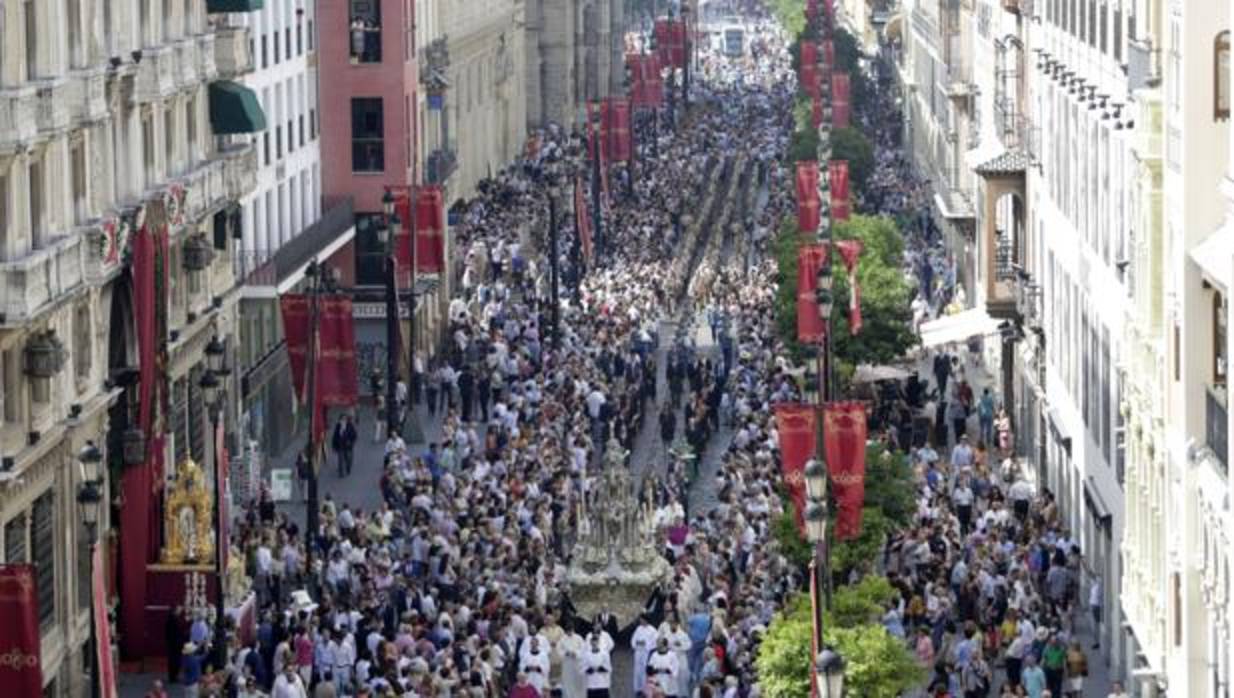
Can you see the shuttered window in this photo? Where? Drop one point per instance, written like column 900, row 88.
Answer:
column 15, row 539
column 43, row 541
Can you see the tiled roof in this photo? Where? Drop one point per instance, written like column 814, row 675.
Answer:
column 1014, row 161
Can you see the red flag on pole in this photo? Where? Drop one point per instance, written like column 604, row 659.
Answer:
column 850, row 252
column 619, row 129
column 795, row 426
column 582, row 220
column 430, row 228
column 840, row 100
column 102, row 628
column 21, row 669
column 838, row 174
column 844, row 441
column 810, row 258
column 807, row 73
column 807, row 195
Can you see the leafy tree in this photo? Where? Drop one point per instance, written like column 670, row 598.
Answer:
column 792, row 544
column 850, row 144
column 785, row 250
column 864, row 602
column 862, row 552
column 791, row 14
column 889, row 484
column 879, row 665
column 886, row 332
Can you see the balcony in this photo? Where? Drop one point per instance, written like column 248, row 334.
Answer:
column 364, row 37
column 156, row 74
column 206, row 67
column 1216, row 424
column 187, row 62
column 441, row 164
column 104, row 249
column 53, row 105
column 231, row 51
column 30, row 285
column 17, row 122
column 1018, row 7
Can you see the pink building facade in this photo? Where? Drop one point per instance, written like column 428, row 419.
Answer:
column 368, row 93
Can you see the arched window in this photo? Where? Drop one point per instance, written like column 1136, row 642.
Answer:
column 1221, row 76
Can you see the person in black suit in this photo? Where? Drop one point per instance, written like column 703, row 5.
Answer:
column 344, row 443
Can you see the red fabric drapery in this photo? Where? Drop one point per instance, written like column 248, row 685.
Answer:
column 21, row 669
column 795, row 426
column 811, row 13
column 850, row 252
column 430, row 229
column 807, row 195
column 816, row 112
column 844, row 441
column 646, row 87
column 841, row 114
column 335, row 365
column 140, row 515
column 808, row 71
column 102, row 629
column 810, row 327
column 828, row 48
column 838, row 174
column 582, row 218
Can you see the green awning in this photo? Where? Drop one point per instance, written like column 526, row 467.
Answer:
column 234, row 109
column 220, row 6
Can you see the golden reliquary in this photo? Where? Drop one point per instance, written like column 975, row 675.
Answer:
column 187, row 523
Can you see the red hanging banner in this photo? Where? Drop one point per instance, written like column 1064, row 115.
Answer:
column 670, row 37
column 816, row 112
column 222, row 471
column 582, row 220
column 653, row 82
column 838, row 176
column 795, row 427
column 296, row 310
column 430, row 229
column 811, row 10
column 829, row 54
column 807, row 195
column 102, row 628
column 844, row 441
column 807, row 73
column 21, row 670
column 619, row 129
column 850, row 252
column 336, row 357
column 810, row 258
column 841, row 110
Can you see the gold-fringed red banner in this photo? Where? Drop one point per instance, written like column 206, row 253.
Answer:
column 844, row 443
column 810, row 326
column 21, row 669
column 807, row 195
column 795, row 427
column 850, row 252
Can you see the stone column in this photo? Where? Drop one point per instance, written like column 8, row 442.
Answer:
column 617, row 32
column 533, row 64
column 557, row 49
column 603, row 52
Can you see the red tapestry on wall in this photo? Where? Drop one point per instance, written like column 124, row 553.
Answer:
column 430, row 230
column 21, row 669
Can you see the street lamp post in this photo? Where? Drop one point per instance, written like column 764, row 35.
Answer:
column 685, row 77
column 829, row 673
column 210, row 384
column 553, row 177
column 89, row 499
column 321, row 281
column 387, row 234
column 596, row 181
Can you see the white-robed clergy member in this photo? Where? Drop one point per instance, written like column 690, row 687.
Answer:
column 598, row 668
column 679, row 643
column 571, row 647
column 535, row 663
column 641, row 643
column 662, row 666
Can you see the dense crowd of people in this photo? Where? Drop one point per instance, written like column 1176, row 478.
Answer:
column 454, row 584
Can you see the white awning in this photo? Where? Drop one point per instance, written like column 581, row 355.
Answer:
column 1215, row 256
column 950, row 329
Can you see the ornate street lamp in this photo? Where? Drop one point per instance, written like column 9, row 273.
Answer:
column 215, row 351
column 89, row 501
column 829, row 673
column 198, row 253
column 44, row 355
column 816, row 480
column 816, row 521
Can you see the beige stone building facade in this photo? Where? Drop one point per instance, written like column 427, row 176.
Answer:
column 107, row 112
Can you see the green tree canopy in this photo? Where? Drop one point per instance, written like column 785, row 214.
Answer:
column 850, row 144
column 879, row 665
column 886, row 332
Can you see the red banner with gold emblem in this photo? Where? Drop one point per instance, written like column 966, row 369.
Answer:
column 336, row 359
column 807, row 73
column 582, row 218
column 841, row 110
column 838, row 176
column 810, row 258
column 430, row 229
column 619, row 129
column 807, row 195
column 828, row 48
column 21, row 670
column 850, row 252
column 844, row 441
column 795, row 427
column 670, row 37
